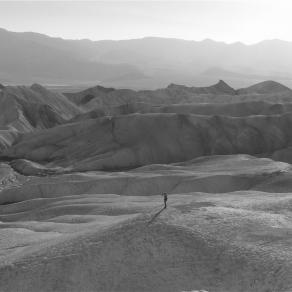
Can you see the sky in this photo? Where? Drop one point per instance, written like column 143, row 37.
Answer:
column 247, row 21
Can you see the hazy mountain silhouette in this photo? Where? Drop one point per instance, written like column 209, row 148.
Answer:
column 141, row 63
column 31, row 57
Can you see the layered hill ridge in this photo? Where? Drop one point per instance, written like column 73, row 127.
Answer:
column 126, row 128
column 35, row 107
column 209, row 174
column 129, row 141
column 220, row 92
column 219, row 88
column 236, row 109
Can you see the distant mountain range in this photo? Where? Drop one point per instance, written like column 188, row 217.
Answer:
column 150, row 62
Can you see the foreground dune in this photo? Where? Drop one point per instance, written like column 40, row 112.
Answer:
column 109, row 232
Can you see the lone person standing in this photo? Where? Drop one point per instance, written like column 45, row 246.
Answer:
column 164, row 199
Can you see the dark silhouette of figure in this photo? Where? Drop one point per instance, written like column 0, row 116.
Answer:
column 164, row 195
column 165, row 199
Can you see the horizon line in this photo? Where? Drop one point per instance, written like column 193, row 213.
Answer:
column 148, row 37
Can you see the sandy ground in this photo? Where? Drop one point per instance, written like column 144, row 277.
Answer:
column 101, row 231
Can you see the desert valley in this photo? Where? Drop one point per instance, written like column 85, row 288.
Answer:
column 82, row 175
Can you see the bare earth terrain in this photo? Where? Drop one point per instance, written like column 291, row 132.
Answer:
column 81, row 178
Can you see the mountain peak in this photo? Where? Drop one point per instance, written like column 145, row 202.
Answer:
column 173, row 86
column 38, row 87
column 265, row 87
column 222, row 83
column 222, row 87
column 103, row 89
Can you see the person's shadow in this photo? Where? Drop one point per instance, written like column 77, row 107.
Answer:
column 155, row 216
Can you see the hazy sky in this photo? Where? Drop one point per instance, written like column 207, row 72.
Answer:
column 248, row 21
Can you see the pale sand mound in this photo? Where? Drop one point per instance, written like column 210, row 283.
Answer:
column 130, row 141
column 214, row 174
column 238, row 242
